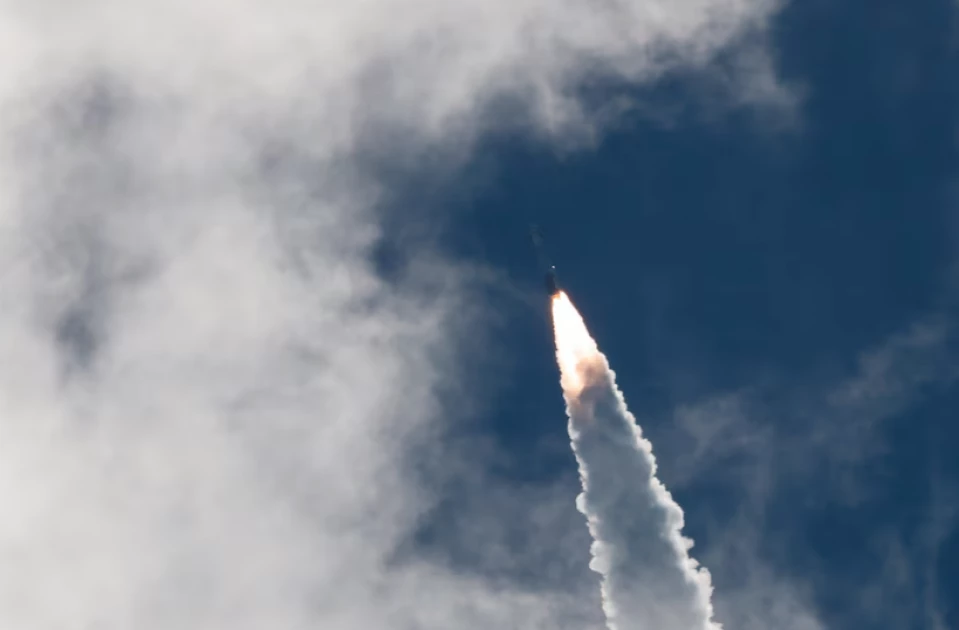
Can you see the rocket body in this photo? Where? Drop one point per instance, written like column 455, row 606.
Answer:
column 548, row 268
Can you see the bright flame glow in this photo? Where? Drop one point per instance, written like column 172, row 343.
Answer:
column 575, row 348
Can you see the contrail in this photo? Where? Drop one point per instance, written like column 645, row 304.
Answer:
column 649, row 581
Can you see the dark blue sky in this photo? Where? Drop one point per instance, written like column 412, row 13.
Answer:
column 778, row 301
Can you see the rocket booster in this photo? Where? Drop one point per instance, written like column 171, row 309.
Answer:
column 547, row 267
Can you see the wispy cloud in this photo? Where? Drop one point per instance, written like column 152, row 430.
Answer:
column 759, row 447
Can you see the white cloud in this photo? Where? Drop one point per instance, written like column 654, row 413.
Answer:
column 207, row 394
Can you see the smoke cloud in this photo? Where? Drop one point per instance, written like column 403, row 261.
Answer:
column 649, row 579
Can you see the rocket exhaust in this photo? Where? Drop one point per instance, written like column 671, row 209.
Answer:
column 648, row 578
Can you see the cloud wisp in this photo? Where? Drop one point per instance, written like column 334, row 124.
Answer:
column 758, row 447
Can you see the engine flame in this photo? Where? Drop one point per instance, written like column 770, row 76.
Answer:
column 576, row 351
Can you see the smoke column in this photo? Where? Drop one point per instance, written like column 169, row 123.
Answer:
column 649, row 582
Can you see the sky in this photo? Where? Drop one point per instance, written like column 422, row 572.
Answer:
column 276, row 351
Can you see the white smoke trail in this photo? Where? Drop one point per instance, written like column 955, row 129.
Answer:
column 649, row 580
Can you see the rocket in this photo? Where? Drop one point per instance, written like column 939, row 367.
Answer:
column 549, row 269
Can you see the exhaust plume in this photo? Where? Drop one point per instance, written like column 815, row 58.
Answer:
column 648, row 578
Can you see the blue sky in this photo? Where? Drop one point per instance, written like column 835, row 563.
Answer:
column 743, row 268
